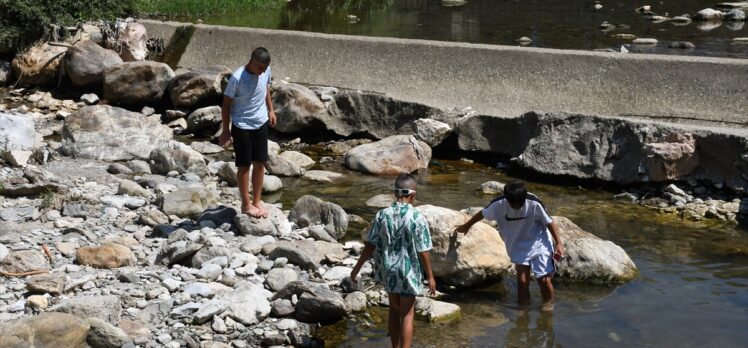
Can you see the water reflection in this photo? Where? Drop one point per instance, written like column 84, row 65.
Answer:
column 549, row 23
column 532, row 330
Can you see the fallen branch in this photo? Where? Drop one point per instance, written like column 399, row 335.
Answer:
column 21, row 274
column 46, row 251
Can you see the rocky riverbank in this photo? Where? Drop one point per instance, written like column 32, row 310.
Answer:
column 120, row 226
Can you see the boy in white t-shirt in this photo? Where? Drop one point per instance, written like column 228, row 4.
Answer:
column 529, row 235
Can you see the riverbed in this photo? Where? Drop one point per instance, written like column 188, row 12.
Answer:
column 692, row 290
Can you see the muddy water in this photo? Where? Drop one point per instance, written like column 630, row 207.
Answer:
column 549, row 23
column 692, row 290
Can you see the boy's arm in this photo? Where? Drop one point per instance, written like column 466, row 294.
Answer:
column 553, row 227
column 271, row 111
column 464, row 228
column 365, row 255
column 225, row 136
column 426, row 261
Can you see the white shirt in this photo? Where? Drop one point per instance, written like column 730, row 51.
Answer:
column 524, row 231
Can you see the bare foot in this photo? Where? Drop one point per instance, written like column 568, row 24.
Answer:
column 547, row 307
column 261, row 207
column 252, row 211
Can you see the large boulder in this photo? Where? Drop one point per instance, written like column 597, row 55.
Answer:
column 178, row 157
column 464, row 260
column 282, row 166
column 204, row 121
column 432, row 132
column 188, row 202
column 309, row 210
column 25, row 261
column 369, row 113
column 105, row 335
column 109, row 133
column 136, row 83
column 619, row 150
column 199, row 87
column 107, row 308
column 39, row 65
column 296, row 107
column 591, row 259
column 45, row 330
column 105, row 256
column 16, row 133
column 86, row 61
column 393, row 155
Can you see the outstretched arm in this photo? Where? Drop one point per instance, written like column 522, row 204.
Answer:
column 464, row 228
column 365, row 255
column 426, row 261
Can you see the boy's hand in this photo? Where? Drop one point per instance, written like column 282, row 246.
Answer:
column 462, row 229
column 559, row 251
column 272, row 118
column 432, row 286
column 224, row 139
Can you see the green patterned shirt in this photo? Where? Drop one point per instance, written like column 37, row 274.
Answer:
column 399, row 233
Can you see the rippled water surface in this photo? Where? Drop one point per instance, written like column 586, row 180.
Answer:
column 692, row 290
column 571, row 24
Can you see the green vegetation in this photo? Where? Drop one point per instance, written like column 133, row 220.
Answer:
column 24, row 21
column 176, row 8
column 48, row 199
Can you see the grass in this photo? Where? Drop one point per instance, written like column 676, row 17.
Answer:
column 48, row 199
column 176, row 8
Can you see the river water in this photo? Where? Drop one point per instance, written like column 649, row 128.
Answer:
column 568, row 24
column 692, row 290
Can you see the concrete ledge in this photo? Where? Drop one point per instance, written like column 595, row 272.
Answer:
column 494, row 80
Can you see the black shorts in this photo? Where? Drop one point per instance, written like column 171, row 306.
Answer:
column 250, row 145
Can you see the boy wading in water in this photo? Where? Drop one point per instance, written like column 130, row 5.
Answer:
column 527, row 231
column 247, row 111
column 398, row 238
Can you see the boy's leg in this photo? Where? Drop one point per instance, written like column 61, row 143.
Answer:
column 259, row 157
column 258, row 177
column 546, row 290
column 407, row 312
column 523, row 284
column 242, row 178
column 393, row 323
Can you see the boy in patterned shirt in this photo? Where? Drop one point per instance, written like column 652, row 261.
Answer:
column 398, row 238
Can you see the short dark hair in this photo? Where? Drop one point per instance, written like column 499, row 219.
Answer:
column 515, row 192
column 406, row 181
column 261, row 55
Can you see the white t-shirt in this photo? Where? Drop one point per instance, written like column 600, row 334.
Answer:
column 524, row 231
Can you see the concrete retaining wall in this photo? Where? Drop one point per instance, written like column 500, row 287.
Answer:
column 494, row 80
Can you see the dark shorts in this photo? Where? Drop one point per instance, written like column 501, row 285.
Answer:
column 250, row 145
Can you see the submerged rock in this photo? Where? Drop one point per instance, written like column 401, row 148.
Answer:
column 434, row 311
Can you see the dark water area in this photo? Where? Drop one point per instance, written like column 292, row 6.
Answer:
column 692, row 290
column 550, row 23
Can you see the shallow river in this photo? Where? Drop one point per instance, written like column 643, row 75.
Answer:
column 571, row 24
column 692, row 290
